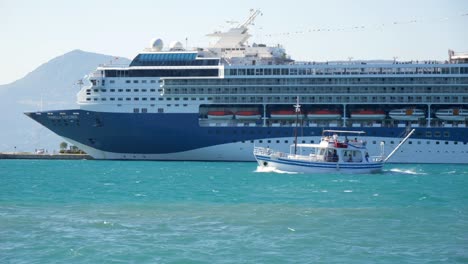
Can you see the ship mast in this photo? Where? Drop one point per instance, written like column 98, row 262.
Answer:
column 297, row 109
column 237, row 36
column 250, row 20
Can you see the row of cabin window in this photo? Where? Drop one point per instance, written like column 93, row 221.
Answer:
column 134, row 81
column 373, row 142
column 428, row 134
column 146, row 99
column 339, row 70
column 121, row 90
column 145, row 110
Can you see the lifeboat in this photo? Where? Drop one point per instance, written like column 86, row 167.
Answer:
column 368, row 114
column 407, row 114
column 324, row 114
column 285, row 114
column 453, row 114
column 220, row 115
column 248, row 115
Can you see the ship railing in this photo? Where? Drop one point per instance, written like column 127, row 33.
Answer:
column 112, row 65
column 96, row 74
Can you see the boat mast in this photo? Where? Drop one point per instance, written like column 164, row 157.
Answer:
column 399, row 145
column 297, row 109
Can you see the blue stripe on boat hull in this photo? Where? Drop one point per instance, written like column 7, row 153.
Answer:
column 321, row 165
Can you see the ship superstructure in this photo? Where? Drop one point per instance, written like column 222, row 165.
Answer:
column 216, row 103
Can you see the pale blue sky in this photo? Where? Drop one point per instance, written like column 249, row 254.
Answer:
column 33, row 32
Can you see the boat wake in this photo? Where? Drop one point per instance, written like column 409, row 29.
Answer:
column 270, row 169
column 407, row 171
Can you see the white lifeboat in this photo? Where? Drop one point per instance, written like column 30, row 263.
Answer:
column 368, row 114
column 407, row 114
column 452, row 114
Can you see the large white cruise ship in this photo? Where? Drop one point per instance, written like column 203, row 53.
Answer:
column 216, row 103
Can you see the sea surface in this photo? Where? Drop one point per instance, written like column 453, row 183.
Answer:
column 226, row 212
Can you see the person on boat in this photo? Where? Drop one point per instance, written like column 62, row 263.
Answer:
column 335, row 156
column 367, row 156
column 328, row 156
column 350, row 158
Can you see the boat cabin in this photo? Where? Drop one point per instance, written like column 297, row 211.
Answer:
column 332, row 149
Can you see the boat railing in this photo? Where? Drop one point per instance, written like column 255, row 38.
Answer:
column 310, row 158
column 262, row 151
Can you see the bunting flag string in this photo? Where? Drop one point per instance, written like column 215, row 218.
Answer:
column 364, row 27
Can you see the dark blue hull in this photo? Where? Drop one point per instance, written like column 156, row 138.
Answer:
column 153, row 133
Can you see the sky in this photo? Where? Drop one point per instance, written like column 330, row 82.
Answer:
column 33, row 32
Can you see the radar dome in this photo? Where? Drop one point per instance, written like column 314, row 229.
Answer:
column 156, row 44
column 176, row 45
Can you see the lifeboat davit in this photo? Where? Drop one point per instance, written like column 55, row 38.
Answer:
column 285, row 114
column 407, row 114
column 324, row 114
column 220, row 115
column 452, row 114
column 368, row 114
column 248, row 115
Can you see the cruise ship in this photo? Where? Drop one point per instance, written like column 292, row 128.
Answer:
column 216, row 103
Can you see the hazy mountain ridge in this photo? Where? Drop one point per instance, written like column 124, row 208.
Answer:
column 53, row 85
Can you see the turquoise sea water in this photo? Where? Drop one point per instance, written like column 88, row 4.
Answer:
column 207, row 212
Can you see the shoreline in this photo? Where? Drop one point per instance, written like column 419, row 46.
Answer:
column 26, row 155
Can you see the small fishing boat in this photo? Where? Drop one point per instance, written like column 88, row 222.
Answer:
column 407, row 114
column 330, row 155
column 248, row 115
column 452, row 114
column 324, row 114
column 220, row 115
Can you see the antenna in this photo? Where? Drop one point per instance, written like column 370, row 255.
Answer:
column 250, row 20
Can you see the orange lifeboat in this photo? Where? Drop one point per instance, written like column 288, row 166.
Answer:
column 220, row 115
column 285, row 114
column 248, row 115
column 324, row 114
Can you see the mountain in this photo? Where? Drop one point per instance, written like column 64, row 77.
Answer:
column 51, row 86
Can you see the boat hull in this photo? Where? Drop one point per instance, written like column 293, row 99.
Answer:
column 324, row 116
column 368, row 116
column 288, row 165
column 248, row 117
column 452, row 114
column 406, row 114
column 154, row 136
column 406, row 117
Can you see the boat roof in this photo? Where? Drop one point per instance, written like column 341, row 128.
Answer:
column 343, row 132
column 305, row 145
